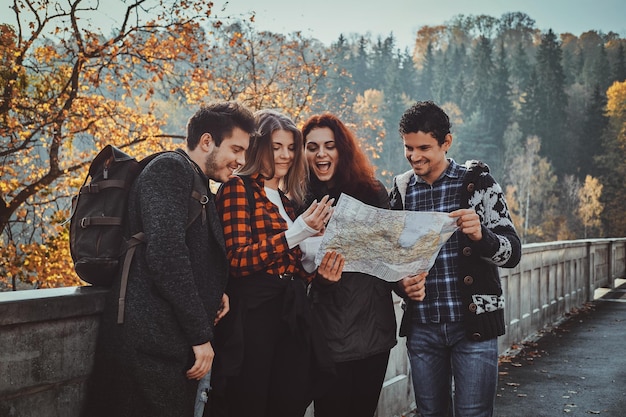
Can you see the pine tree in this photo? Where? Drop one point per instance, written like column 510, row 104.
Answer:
column 360, row 67
column 500, row 107
column 408, row 76
column 520, row 69
column 482, row 75
column 551, row 102
column 427, row 75
column 441, row 89
column 618, row 69
column 338, row 90
column 594, row 128
column 601, row 71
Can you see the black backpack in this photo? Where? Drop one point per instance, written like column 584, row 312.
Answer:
column 99, row 236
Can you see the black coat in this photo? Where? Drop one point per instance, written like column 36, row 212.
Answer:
column 174, row 291
column 356, row 313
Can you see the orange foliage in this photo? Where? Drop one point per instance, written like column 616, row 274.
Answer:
column 68, row 90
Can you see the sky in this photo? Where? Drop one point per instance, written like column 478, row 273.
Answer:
column 327, row 19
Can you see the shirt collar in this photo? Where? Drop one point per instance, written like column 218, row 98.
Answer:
column 452, row 171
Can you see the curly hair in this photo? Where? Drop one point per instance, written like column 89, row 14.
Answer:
column 427, row 117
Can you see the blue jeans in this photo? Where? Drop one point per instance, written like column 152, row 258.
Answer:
column 451, row 371
column 204, row 386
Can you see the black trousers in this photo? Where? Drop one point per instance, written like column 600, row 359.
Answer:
column 275, row 376
column 356, row 388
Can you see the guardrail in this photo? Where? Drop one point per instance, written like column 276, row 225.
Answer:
column 47, row 337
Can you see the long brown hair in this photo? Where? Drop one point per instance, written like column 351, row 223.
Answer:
column 260, row 155
column 354, row 174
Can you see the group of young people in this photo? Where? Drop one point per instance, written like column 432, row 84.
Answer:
column 238, row 293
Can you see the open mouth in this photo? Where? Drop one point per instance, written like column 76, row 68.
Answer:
column 323, row 167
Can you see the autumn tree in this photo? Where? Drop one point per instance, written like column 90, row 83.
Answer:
column 611, row 163
column 534, row 186
column 68, row 89
column 261, row 69
column 590, row 208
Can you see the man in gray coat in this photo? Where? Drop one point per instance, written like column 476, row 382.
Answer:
column 150, row 365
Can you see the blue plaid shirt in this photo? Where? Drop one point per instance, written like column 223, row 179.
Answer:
column 443, row 298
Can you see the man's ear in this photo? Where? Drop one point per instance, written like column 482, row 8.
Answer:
column 447, row 142
column 206, row 142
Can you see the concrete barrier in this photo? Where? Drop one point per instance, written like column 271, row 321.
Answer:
column 47, row 337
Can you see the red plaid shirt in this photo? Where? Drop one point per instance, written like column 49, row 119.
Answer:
column 256, row 243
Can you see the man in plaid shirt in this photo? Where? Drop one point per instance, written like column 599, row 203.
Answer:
column 452, row 328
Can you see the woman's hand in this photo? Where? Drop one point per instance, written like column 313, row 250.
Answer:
column 224, row 308
column 318, row 213
column 331, row 267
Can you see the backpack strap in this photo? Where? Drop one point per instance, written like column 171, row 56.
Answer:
column 134, row 241
column 247, row 183
column 200, row 192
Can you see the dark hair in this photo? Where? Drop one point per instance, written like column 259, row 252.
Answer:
column 260, row 153
column 354, row 175
column 218, row 119
column 427, row 117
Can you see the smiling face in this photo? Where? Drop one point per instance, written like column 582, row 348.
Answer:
column 222, row 160
column 426, row 156
column 321, row 153
column 284, row 152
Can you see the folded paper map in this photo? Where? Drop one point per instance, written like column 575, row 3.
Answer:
column 388, row 244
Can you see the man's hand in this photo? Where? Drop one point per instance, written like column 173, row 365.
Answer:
column 469, row 223
column 224, row 308
column 204, row 360
column 414, row 286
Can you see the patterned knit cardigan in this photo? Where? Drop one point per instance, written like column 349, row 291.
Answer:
column 500, row 246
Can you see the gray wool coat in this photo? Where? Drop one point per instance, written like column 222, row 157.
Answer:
column 174, row 291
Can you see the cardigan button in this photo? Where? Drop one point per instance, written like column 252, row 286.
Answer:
column 467, row 251
column 477, row 336
column 468, row 280
column 473, row 307
column 470, row 187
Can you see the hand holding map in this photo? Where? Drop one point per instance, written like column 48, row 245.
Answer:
column 388, row 244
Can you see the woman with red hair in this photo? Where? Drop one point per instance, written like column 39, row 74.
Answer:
column 356, row 312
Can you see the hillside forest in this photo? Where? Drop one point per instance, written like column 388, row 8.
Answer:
column 546, row 111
